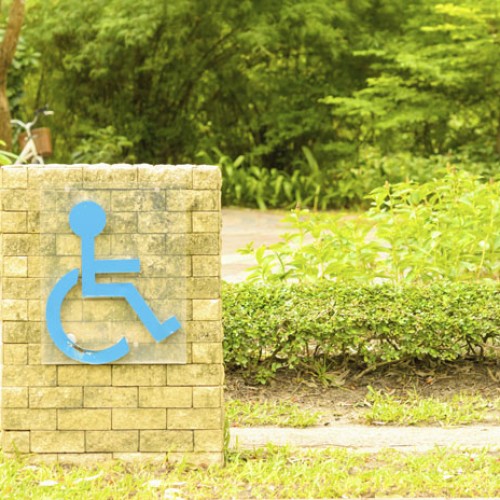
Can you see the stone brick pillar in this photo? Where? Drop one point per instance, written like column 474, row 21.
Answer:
column 162, row 398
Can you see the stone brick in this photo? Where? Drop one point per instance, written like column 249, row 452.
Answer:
column 84, row 375
column 55, row 176
column 139, row 418
column 199, row 459
column 139, row 375
column 207, row 353
column 121, row 223
column 67, row 244
column 35, row 310
column 20, row 244
column 14, row 397
column 35, row 266
column 203, row 331
column 29, row 376
column 206, row 200
column 16, row 442
column 109, row 176
column 112, row 441
column 84, row 419
column 207, row 310
column 110, row 397
column 57, row 441
column 179, row 200
column 14, row 177
column 211, row 440
column 43, row 459
column 132, row 245
column 15, row 354
column 169, row 176
column 14, row 200
column 83, row 459
column 33, row 288
column 206, row 244
column 53, row 222
column 55, row 397
column 204, row 288
column 14, row 222
column 206, row 222
column 166, row 441
column 34, row 354
column 33, row 222
column 195, row 375
column 138, row 200
column 28, row 419
column 178, row 244
column 14, row 288
column 166, row 266
column 207, row 397
column 52, row 266
column 107, row 310
column 14, row 310
column 46, row 244
column 206, row 177
column 206, row 265
column 63, row 201
column 34, row 332
column 194, row 418
column 164, row 222
column 72, row 311
column 15, row 332
column 15, row 266
column 165, row 397
column 70, row 244
column 141, row 457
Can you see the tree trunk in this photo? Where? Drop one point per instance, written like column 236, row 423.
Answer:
column 497, row 145
column 7, row 51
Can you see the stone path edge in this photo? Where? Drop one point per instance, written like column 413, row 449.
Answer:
column 368, row 438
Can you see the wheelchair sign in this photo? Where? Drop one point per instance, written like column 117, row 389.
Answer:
column 87, row 220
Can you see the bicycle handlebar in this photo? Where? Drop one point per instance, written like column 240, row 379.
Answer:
column 27, row 126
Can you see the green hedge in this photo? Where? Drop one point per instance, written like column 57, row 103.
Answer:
column 269, row 327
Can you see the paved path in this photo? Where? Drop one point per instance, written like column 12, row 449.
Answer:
column 369, row 438
column 240, row 226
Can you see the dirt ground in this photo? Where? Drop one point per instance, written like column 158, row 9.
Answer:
column 342, row 397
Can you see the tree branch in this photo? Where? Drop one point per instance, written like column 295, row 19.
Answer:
column 11, row 37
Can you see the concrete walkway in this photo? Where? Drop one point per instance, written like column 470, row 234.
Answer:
column 241, row 226
column 369, row 438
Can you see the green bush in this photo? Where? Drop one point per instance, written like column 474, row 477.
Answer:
column 308, row 326
column 446, row 228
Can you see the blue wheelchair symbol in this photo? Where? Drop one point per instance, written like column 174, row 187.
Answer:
column 87, row 220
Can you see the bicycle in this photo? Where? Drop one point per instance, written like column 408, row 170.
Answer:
column 30, row 152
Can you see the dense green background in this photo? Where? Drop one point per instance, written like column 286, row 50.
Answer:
column 336, row 95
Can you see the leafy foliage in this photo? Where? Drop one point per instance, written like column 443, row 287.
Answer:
column 311, row 103
column 269, row 327
column 443, row 229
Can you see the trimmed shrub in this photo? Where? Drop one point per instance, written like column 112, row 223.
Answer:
column 268, row 327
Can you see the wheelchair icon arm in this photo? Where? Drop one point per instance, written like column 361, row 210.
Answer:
column 117, row 266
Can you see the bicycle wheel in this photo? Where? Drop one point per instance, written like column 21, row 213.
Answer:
column 37, row 160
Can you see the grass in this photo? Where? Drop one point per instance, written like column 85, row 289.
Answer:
column 271, row 472
column 461, row 409
column 279, row 414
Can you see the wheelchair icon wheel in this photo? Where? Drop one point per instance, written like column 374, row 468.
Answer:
column 61, row 338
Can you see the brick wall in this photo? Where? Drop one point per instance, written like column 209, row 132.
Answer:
column 169, row 218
